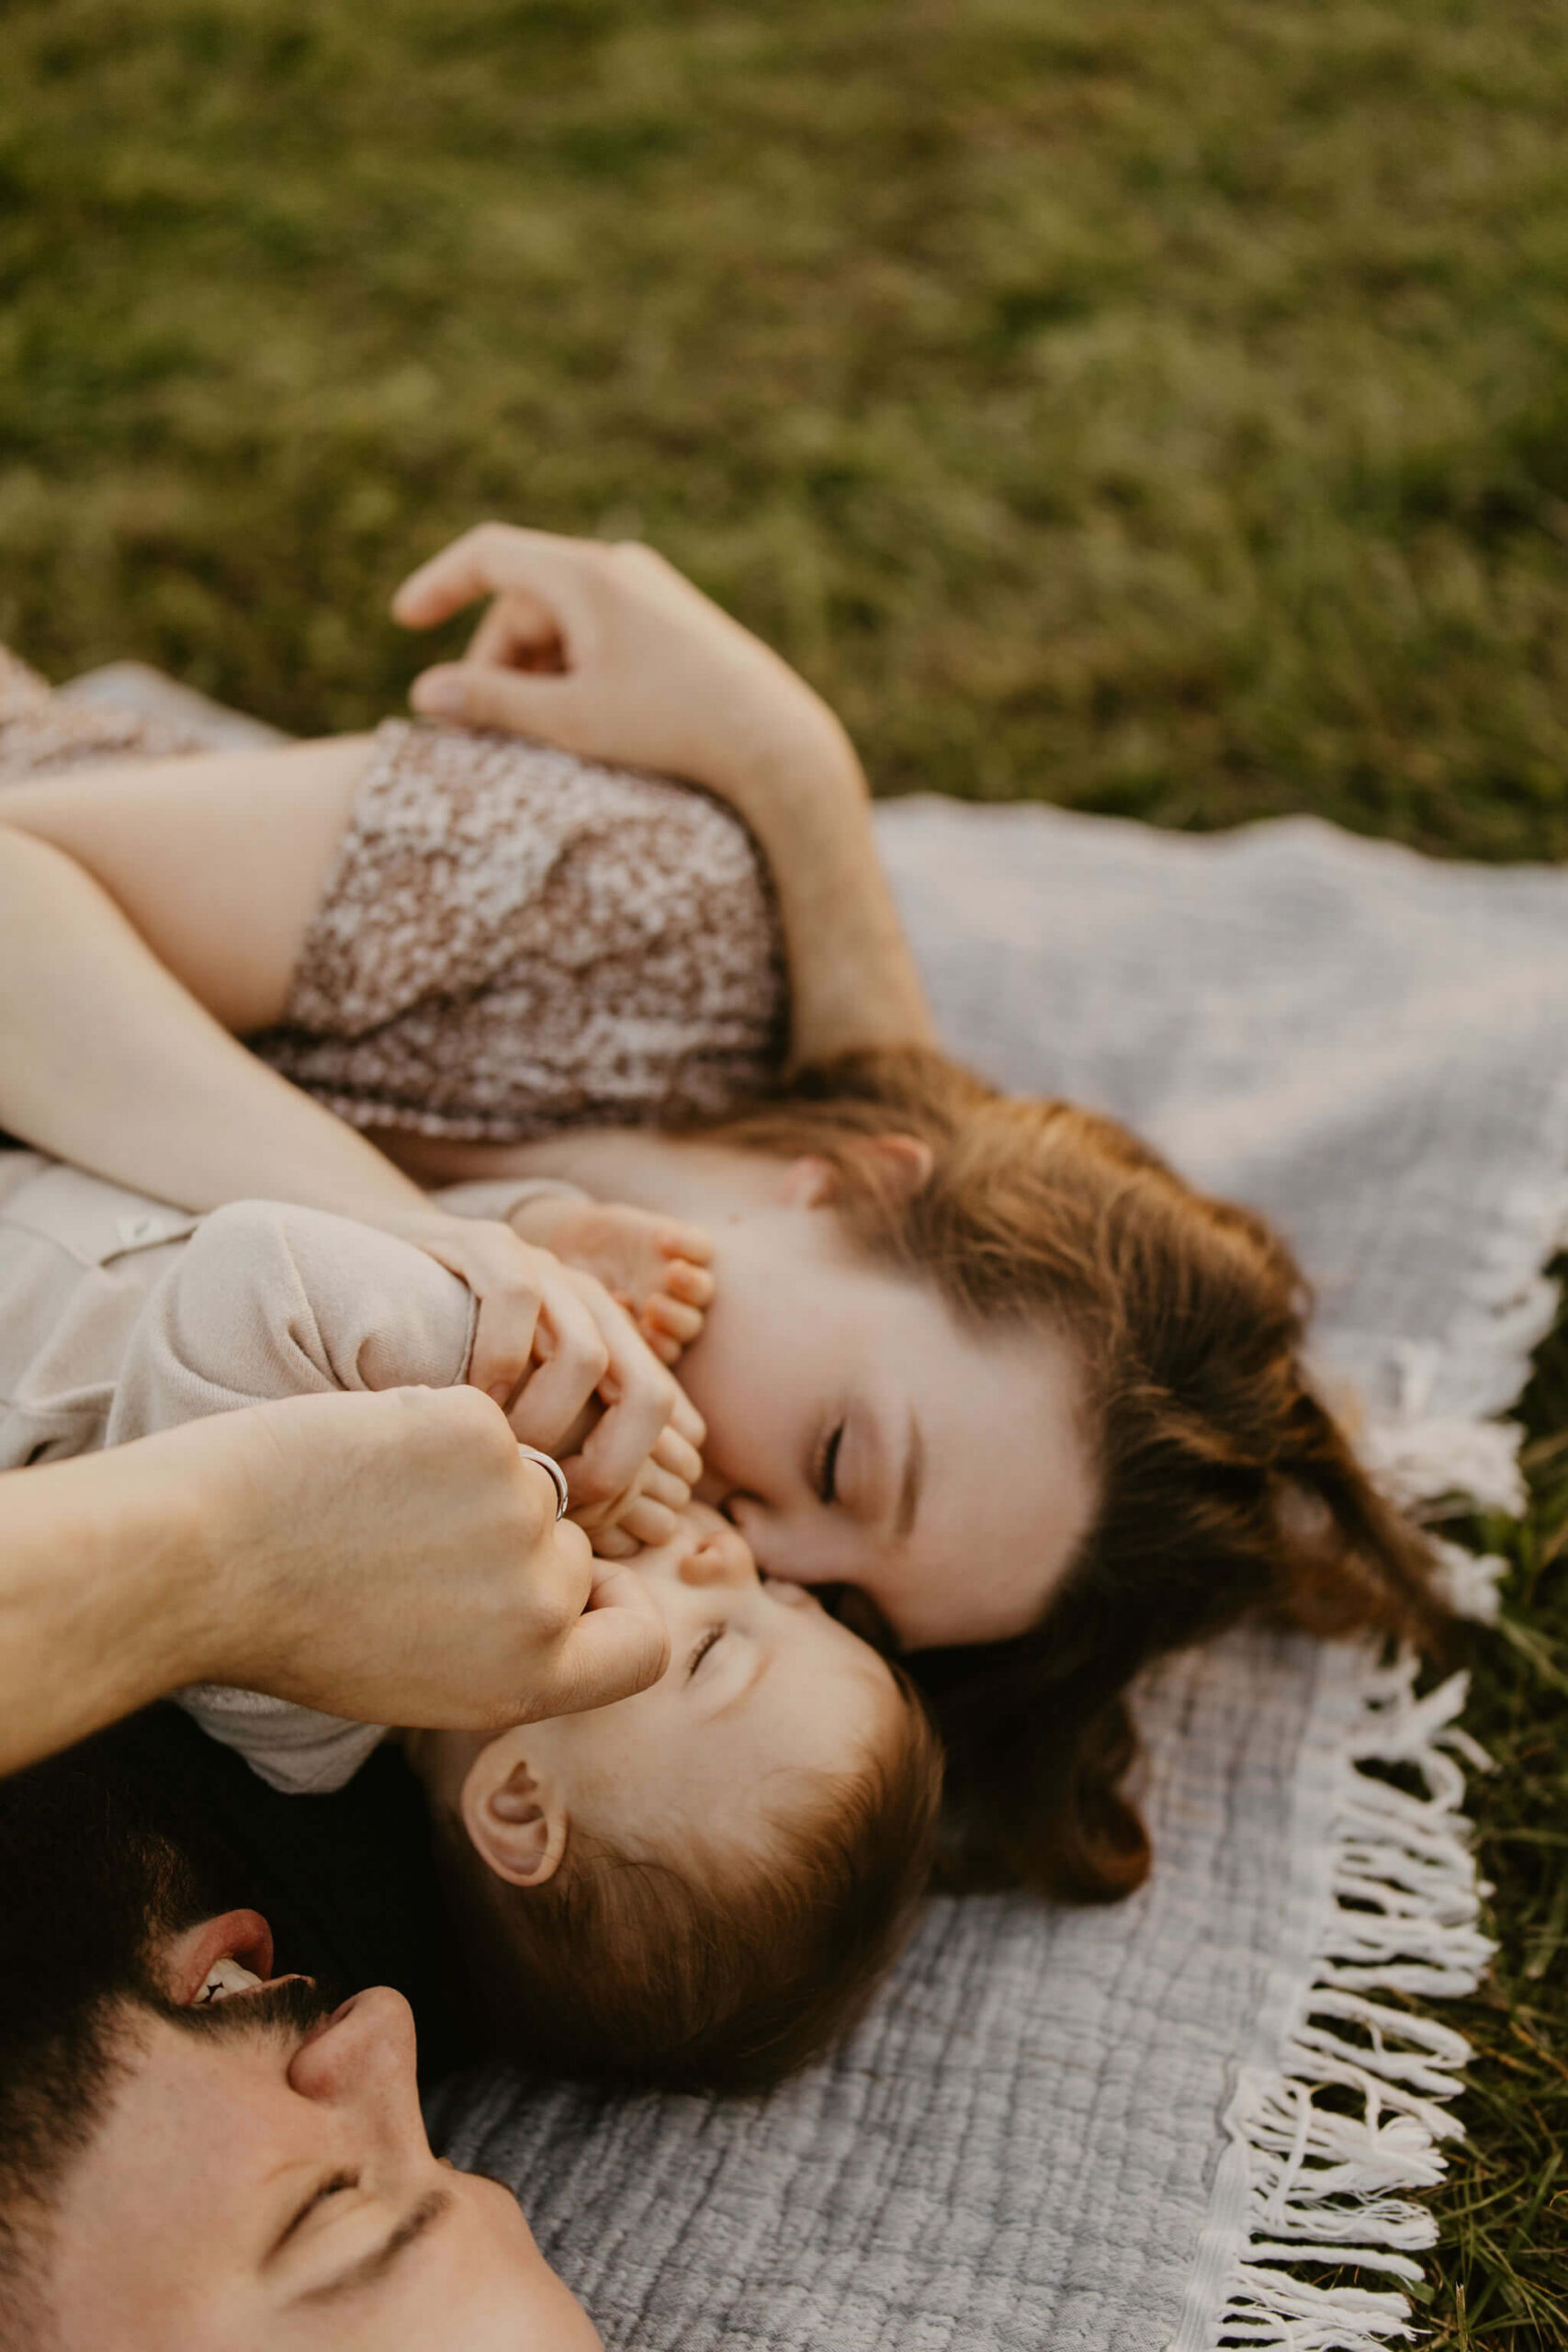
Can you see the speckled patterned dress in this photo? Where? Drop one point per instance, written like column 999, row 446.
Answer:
column 510, row 940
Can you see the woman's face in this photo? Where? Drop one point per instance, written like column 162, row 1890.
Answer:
column 859, row 1435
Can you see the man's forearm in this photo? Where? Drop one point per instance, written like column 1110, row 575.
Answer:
column 853, row 984
column 102, row 1566
column 107, row 1061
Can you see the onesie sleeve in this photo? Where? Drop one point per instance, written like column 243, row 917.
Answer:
column 265, row 1302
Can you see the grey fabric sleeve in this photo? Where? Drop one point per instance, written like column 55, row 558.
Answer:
column 265, row 1302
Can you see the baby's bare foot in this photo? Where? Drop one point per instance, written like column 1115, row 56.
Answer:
column 657, row 1267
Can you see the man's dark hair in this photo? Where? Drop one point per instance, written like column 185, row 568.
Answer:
column 90, row 1884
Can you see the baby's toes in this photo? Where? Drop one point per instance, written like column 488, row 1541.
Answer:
column 694, row 1286
column 670, row 1319
column 688, row 1241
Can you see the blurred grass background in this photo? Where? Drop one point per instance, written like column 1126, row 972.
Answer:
column 1158, row 406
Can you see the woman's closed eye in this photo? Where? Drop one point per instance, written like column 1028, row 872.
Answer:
column 711, row 1634
column 826, row 1475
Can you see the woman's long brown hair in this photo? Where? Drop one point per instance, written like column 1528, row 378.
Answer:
column 1226, row 1484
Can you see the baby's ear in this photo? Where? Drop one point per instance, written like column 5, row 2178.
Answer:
column 516, row 1824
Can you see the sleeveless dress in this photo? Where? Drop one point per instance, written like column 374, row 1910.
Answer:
column 510, row 940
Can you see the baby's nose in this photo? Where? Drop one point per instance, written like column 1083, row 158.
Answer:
column 723, row 1556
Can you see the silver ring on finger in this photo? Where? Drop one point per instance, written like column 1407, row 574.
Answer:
column 547, row 1462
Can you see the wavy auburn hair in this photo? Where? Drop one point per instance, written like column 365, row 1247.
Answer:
column 1226, row 1484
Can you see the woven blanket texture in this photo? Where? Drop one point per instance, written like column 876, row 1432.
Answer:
column 1027, row 2144
column 1098, row 2132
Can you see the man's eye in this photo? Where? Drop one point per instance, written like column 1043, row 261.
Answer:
column 714, row 1634
column 827, row 1468
column 332, row 2186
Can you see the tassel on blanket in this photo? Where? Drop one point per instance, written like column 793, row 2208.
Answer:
column 1431, row 1462
column 1322, row 2181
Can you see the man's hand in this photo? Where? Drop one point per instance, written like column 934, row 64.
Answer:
column 392, row 1557
column 609, row 652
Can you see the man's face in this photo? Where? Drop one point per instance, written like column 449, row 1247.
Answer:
column 261, row 2178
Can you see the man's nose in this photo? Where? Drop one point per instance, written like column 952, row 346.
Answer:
column 365, row 2053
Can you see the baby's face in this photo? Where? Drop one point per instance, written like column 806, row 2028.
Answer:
column 762, row 1685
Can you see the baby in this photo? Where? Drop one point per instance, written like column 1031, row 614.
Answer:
column 696, row 1886
column 700, row 1885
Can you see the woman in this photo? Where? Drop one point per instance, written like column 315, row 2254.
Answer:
column 987, row 1364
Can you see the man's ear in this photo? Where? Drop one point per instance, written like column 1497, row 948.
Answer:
column 517, row 1822
column 895, row 1166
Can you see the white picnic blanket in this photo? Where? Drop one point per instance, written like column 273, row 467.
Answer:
column 1097, row 2130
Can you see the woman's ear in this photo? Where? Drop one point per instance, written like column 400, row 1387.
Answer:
column 903, row 1164
column 517, row 1822
column 896, row 1166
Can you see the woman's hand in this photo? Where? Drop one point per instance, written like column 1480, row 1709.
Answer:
column 609, row 652
column 392, row 1557
column 572, row 1373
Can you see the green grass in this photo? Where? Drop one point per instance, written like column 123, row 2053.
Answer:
column 1153, row 405
column 1502, row 2279
column 1157, row 405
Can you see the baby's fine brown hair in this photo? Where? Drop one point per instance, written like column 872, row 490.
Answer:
column 711, row 1970
column 1227, row 1486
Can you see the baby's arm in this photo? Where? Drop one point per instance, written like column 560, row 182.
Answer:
column 265, row 1302
column 268, row 1301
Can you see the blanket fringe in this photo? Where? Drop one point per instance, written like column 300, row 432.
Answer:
column 1355, row 2113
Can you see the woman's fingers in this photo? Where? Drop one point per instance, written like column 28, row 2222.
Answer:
column 518, row 632
column 640, row 1396
column 493, row 558
column 687, row 1423
column 515, row 701
column 574, row 1357
column 649, row 1522
column 679, row 1455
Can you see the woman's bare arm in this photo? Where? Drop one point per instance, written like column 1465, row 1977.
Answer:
column 107, row 1057
column 218, row 861
column 108, row 1060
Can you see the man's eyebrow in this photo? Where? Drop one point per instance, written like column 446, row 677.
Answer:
column 910, row 1489
column 375, row 2264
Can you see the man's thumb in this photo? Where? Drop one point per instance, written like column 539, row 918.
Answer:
column 609, row 1654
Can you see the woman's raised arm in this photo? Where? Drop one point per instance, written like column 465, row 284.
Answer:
column 609, row 652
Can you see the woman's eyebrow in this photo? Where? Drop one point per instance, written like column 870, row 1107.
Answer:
column 909, row 1485
column 373, row 2266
